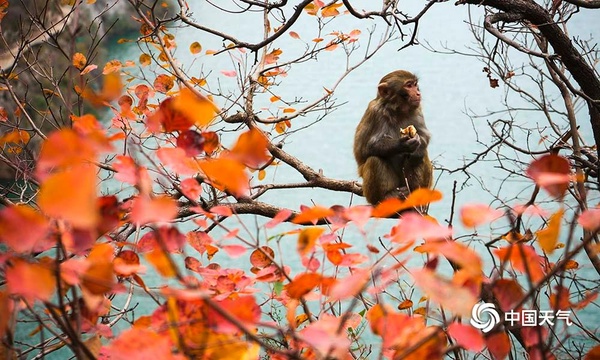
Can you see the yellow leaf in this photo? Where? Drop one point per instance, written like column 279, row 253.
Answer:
column 307, row 239
column 548, row 237
column 79, row 61
column 145, row 59
column 195, row 47
column 262, row 174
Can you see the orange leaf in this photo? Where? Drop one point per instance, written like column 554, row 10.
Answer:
column 419, row 197
column 21, row 227
column 274, row 98
column 294, row 35
column 289, row 110
column 243, row 309
column 302, row 285
column 307, row 239
column 551, row 173
column 63, row 148
column 199, row 109
column 522, row 257
column 548, row 237
column 79, row 61
column 30, row 281
column 465, row 257
column 593, row 354
column 138, row 343
column 226, row 175
column 251, row 148
column 473, row 215
column 273, row 56
column 163, row 83
column 79, row 206
column 312, row 214
column 258, row 258
column 331, row 10
column 169, row 117
column 126, row 263
column 195, row 47
column 161, row 262
column 406, row 304
column 559, row 299
column 3, row 7
column 112, row 66
column 99, row 277
column 148, row 210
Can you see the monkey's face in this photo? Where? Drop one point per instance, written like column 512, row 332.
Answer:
column 400, row 89
column 411, row 92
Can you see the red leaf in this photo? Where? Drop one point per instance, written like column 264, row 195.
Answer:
column 176, row 159
column 30, row 280
column 191, row 189
column 192, row 142
column 508, row 292
column 148, row 210
column 414, row 226
column 457, row 299
column 281, row 216
column 498, row 345
column 590, row 219
column 324, row 336
column 551, row 173
column 21, row 227
column 473, row 215
column 349, row 286
column 467, row 336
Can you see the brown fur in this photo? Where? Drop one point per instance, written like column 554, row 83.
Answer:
column 392, row 164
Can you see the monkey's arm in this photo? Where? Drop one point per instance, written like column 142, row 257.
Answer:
column 387, row 146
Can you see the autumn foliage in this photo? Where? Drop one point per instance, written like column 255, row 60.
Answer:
column 149, row 208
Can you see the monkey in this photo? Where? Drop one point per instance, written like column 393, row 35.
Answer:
column 391, row 162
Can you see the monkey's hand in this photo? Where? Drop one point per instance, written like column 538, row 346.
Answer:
column 410, row 144
column 410, row 130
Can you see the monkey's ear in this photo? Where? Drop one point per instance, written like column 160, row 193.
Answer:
column 382, row 89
